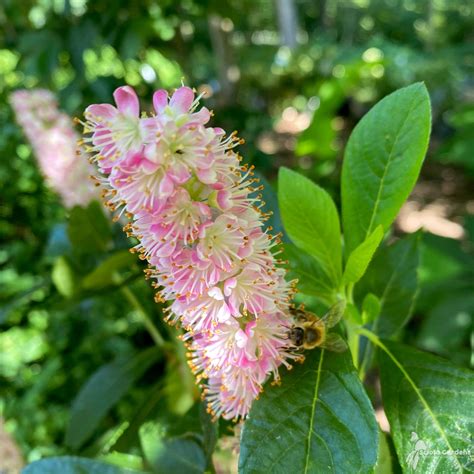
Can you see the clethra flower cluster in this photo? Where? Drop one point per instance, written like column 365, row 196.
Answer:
column 53, row 139
column 193, row 209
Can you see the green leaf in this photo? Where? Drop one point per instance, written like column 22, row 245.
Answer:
column 210, row 434
column 311, row 220
column 361, row 256
column 382, row 161
column 102, row 391
column 180, row 386
column 447, row 326
column 429, row 403
column 123, row 460
column 105, row 273
column 173, row 455
column 64, row 278
column 74, row 465
column 392, row 276
column 271, row 203
column 370, row 308
column 318, row 420
column 384, row 459
column 311, row 278
column 88, row 229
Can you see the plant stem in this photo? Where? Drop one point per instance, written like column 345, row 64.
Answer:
column 148, row 323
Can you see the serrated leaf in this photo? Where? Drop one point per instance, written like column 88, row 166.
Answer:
column 311, row 220
column 429, row 403
column 103, row 274
column 318, row 420
column 361, row 256
column 102, row 391
column 74, row 465
column 382, row 161
column 172, row 455
column 392, row 276
column 312, row 280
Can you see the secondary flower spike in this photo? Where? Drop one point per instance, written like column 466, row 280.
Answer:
column 53, row 139
column 194, row 210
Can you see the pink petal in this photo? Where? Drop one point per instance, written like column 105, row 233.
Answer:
column 201, row 117
column 216, row 293
column 208, row 176
column 229, row 285
column 224, row 199
column 99, row 111
column 160, row 100
column 166, row 187
column 127, row 101
column 179, row 173
column 182, row 100
column 241, row 338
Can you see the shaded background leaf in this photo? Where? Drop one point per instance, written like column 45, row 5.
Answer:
column 105, row 387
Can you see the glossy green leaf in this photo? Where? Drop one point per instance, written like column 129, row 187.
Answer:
column 392, row 277
column 74, row 465
column 171, row 455
column 64, row 278
column 382, row 161
column 311, row 220
column 102, row 391
column 318, row 420
column 312, row 280
column 105, row 273
column 429, row 403
column 361, row 256
column 89, row 229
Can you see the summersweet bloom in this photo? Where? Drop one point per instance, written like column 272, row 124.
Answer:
column 53, row 139
column 194, row 211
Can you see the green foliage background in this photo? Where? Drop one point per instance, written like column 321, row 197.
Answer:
column 60, row 322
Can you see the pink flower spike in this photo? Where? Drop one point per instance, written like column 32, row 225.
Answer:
column 127, row 101
column 198, row 223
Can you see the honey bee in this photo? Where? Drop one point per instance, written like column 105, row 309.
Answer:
column 310, row 331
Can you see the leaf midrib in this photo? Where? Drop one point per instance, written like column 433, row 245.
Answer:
column 313, row 412
column 389, row 161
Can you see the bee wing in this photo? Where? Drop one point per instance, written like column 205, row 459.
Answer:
column 334, row 315
column 334, row 342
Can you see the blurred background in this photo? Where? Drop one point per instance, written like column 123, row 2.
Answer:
column 293, row 77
